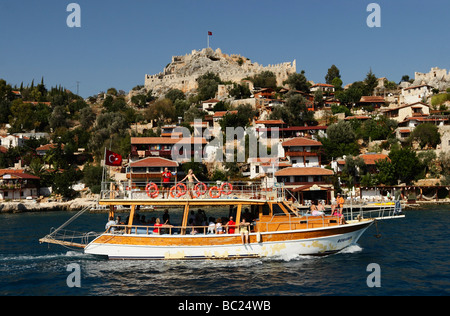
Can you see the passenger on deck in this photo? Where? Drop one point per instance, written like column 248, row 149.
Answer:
column 157, row 226
column 212, row 225
column 166, row 217
column 313, row 208
column 166, row 181
column 243, row 229
column 190, row 183
column 319, row 211
column 231, row 225
column 219, row 228
column 191, row 225
column 247, row 215
column 110, row 223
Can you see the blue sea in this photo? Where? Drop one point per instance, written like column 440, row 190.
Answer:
column 412, row 257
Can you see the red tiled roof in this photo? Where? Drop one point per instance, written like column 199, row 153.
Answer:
column 48, row 147
column 304, row 171
column 322, row 85
column 154, row 162
column 301, row 141
column 18, row 173
column 270, row 122
column 222, row 113
column 211, row 101
column 370, row 159
column 370, row 99
column 167, row 140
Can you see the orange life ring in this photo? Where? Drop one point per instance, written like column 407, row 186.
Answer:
column 200, row 188
column 215, row 196
column 171, row 191
column 152, row 187
column 226, row 188
column 180, row 189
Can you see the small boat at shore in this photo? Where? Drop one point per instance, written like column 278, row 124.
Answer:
column 275, row 225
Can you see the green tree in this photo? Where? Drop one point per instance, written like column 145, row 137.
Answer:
column 208, row 85
column 406, row 164
column 92, row 177
column 333, row 72
column 161, row 111
column 297, row 81
column 371, row 82
column 265, row 79
column 175, row 94
column 386, row 173
column 426, row 134
column 341, row 140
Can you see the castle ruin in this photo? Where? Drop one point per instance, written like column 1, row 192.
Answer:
column 183, row 71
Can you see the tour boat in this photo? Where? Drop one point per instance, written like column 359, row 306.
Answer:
column 277, row 225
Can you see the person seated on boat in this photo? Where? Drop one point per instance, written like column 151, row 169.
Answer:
column 200, row 218
column 111, row 222
column 212, row 225
column 219, row 228
column 190, row 183
column 319, row 210
column 193, row 229
column 231, row 225
column 244, row 230
column 119, row 222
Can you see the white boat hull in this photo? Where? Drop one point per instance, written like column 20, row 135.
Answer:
column 327, row 244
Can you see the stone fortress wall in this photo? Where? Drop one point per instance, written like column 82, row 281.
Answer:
column 437, row 78
column 183, row 71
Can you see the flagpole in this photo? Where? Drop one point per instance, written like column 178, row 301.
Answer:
column 104, row 165
column 207, row 37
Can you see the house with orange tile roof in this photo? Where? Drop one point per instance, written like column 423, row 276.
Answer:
column 142, row 147
column 150, row 169
column 15, row 184
column 303, row 152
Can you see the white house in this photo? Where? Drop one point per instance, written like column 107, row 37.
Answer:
column 11, row 141
column 416, row 93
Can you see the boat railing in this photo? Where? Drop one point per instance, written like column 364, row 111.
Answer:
column 274, row 224
column 382, row 210
column 127, row 190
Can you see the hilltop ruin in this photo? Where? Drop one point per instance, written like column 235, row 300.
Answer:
column 183, row 71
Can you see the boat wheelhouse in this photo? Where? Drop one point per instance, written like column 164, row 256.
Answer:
column 276, row 224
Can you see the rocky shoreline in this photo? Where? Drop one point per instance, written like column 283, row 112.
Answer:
column 33, row 206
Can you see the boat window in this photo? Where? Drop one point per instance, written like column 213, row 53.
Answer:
column 266, row 209
column 277, row 210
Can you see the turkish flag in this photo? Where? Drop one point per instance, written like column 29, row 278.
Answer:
column 209, row 33
column 113, row 159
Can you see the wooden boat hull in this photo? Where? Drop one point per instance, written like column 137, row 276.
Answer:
column 315, row 241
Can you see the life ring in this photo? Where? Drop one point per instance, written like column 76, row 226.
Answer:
column 214, row 196
column 171, row 191
column 200, row 188
column 152, row 190
column 178, row 190
column 226, row 188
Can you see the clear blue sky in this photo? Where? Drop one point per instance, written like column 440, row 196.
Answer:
column 121, row 41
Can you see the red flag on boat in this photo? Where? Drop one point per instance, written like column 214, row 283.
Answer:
column 112, row 159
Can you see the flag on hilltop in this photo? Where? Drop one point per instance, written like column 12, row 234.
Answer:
column 112, row 159
column 209, row 33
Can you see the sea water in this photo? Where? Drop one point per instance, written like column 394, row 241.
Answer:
column 412, row 255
